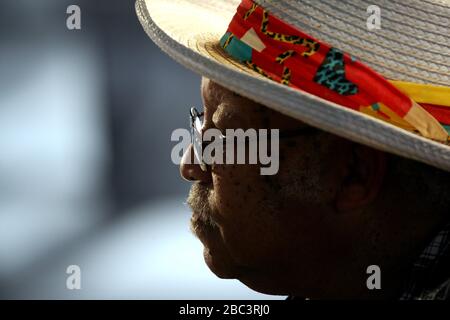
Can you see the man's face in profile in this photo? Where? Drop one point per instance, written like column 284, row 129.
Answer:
column 311, row 230
column 366, row 190
column 274, row 233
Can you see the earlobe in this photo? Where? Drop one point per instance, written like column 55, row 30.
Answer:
column 364, row 179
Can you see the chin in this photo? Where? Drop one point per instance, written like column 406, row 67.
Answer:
column 219, row 266
column 222, row 266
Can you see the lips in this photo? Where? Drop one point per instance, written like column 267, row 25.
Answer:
column 215, row 253
column 202, row 228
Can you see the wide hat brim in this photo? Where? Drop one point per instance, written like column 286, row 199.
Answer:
column 190, row 32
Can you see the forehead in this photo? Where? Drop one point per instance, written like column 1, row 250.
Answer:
column 223, row 106
column 214, row 95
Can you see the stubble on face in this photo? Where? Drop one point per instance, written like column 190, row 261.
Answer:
column 199, row 202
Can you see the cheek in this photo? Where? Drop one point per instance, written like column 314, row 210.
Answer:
column 236, row 192
column 304, row 175
column 248, row 228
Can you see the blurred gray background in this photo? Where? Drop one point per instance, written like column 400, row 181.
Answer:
column 85, row 171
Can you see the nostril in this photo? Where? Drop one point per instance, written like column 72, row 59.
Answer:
column 187, row 172
column 191, row 171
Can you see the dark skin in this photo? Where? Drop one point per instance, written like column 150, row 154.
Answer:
column 314, row 228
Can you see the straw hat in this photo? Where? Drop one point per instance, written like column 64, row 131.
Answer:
column 393, row 83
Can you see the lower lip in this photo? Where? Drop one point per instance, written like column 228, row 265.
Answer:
column 204, row 231
column 215, row 257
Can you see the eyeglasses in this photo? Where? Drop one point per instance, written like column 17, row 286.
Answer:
column 199, row 145
column 196, row 136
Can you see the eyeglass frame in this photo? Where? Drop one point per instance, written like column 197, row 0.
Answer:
column 195, row 116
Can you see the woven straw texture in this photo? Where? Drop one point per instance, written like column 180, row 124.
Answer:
column 189, row 31
column 412, row 45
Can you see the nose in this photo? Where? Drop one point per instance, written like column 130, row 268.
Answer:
column 191, row 171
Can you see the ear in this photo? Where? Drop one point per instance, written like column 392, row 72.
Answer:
column 361, row 184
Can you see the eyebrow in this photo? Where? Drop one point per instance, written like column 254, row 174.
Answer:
column 222, row 110
column 304, row 131
column 233, row 113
